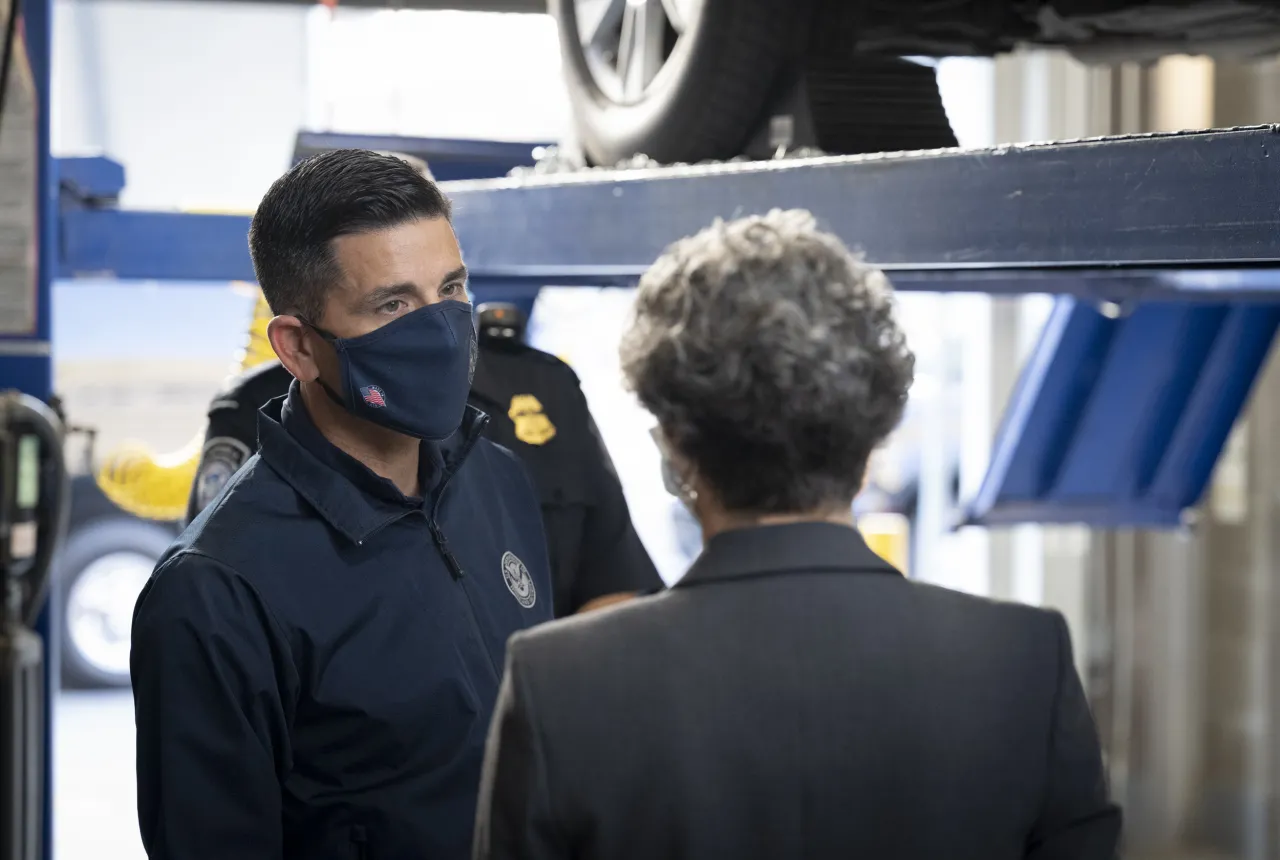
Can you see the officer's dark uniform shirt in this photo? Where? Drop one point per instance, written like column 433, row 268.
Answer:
column 316, row 659
column 537, row 410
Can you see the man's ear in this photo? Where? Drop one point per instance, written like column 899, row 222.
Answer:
column 292, row 341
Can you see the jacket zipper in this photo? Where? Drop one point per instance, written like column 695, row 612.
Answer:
column 437, row 535
column 442, row 542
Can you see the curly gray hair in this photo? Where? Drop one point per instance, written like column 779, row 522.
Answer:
column 772, row 360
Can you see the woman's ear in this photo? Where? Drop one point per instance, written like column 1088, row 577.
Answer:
column 676, row 473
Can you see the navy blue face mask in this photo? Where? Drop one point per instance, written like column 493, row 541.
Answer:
column 412, row 375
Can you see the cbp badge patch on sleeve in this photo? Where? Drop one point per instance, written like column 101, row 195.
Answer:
column 221, row 458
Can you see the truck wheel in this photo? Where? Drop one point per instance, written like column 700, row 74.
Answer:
column 676, row 80
column 101, row 571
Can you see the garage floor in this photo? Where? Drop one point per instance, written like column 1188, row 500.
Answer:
column 94, row 813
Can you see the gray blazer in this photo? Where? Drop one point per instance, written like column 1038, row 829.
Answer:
column 795, row 697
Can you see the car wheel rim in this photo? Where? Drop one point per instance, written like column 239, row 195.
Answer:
column 627, row 43
column 100, row 609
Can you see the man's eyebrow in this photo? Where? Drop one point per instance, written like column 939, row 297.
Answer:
column 458, row 274
column 382, row 295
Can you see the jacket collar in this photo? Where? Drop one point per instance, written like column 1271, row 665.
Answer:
column 347, row 494
column 781, row 549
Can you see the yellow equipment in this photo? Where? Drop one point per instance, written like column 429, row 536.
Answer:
column 888, row 536
column 157, row 486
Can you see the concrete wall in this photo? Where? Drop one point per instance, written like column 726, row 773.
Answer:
column 200, row 100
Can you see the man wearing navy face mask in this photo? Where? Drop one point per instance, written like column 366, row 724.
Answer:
column 316, row 659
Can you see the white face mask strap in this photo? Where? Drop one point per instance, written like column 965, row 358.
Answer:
column 675, row 483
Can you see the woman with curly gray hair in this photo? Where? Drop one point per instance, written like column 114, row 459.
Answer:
column 774, row 365
column 793, row 696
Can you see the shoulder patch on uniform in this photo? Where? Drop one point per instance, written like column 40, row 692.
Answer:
column 518, row 580
column 221, row 458
column 532, row 426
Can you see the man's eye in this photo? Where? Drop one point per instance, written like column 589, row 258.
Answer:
column 452, row 290
column 393, row 306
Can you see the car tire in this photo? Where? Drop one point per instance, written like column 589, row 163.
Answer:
column 709, row 96
column 100, row 572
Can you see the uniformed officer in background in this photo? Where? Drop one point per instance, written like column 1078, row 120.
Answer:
column 538, row 411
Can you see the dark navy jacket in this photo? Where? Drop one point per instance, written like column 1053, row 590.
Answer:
column 315, row 661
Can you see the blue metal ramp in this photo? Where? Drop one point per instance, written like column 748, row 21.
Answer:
column 1117, row 421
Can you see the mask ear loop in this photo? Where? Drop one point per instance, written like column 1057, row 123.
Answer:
column 685, row 491
column 332, row 340
column 328, row 338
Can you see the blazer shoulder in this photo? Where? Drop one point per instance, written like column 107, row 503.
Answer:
column 591, row 633
column 1041, row 632
column 981, row 605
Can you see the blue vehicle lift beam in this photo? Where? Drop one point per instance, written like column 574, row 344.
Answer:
column 1182, row 216
column 449, row 159
column 1113, row 217
column 97, row 239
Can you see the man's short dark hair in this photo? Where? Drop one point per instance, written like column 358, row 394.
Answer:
column 332, row 194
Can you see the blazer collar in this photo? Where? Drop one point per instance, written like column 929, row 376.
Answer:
column 780, row 549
